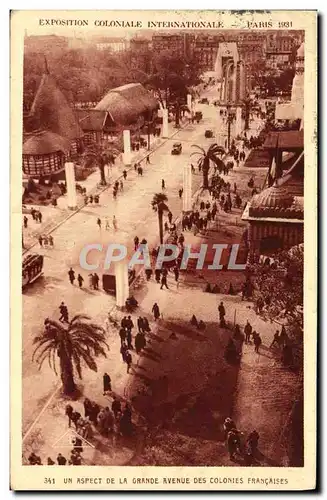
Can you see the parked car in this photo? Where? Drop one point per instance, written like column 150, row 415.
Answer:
column 208, row 134
column 177, row 148
column 204, row 100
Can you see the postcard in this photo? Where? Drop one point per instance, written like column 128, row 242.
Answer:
column 163, row 250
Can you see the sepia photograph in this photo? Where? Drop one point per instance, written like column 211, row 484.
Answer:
column 162, row 250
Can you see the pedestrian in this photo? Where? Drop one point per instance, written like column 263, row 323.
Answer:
column 51, row 242
column 157, row 274
column 125, row 174
column 222, row 313
column 99, row 222
column 45, row 241
column 114, row 193
column 163, row 185
column 87, row 407
column 140, row 171
column 233, row 443
column 128, row 360
column 114, row 223
column 146, row 326
column 257, row 342
column 156, row 311
column 147, row 161
column 164, row 282
column 170, row 217
column 25, row 221
column 247, row 331
column 121, row 185
column 276, row 340
column 140, row 342
column 61, row 459
column 122, row 335
column 40, row 241
column 61, row 310
column 123, row 350
column 180, row 193
column 140, row 324
column 107, row 224
column 176, row 273
column 96, row 280
column 106, row 384
column 40, row 217
column 136, row 242
column 129, row 339
column 91, row 198
column 252, row 443
column 96, row 199
column 75, row 418
column 116, row 407
column 135, row 167
column 91, row 281
column 71, row 275
column 69, row 411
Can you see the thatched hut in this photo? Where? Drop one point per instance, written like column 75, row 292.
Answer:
column 44, row 153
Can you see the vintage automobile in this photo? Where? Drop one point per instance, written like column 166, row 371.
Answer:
column 177, row 148
column 208, row 134
column 32, row 268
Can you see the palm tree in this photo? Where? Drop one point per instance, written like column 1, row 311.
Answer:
column 80, row 340
column 159, row 205
column 95, row 154
column 205, row 157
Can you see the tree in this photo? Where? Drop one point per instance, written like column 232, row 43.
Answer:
column 205, row 158
column 159, row 205
column 96, row 154
column 281, row 288
column 79, row 341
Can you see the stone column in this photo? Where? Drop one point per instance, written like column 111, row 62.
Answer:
column 242, row 81
column 127, row 157
column 187, row 188
column 234, row 81
column 238, row 121
column 189, row 102
column 71, row 186
column 165, row 131
column 122, row 287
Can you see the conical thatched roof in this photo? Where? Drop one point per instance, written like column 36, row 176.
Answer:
column 45, row 142
column 125, row 104
column 51, row 111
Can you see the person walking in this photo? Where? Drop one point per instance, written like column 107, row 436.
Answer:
column 61, row 459
column 222, row 313
column 163, row 185
column 140, row 324
column 129, row 339
column 156, row 311
column 128, row 360
column 71, row 275
column 80, row 280
column 147, row 161
column 99, row 222
column 116, row 407
column 170, row 217
column 25, row 221
column 40, row 217
column 122, row 335
column 121, row 184
column 96, row 280
column 136, row 242
column 164, row 282
column 69, row 411
column 40, row 241
column 114, row 222
column 180, row 193
column 140, row 342
column 276, row 340
column 247, row 331
column 107, row 227
column 51, row 242
column 125, row 174
column 106, row 384
column 257, row 342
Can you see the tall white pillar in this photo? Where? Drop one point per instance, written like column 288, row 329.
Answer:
column 238, row 121
column 127, row 157
column 187, row 188
column 189, row 102
column 234, row 82
column 122, row 287
column 70, row 185
column 165, row 131
column 242, row 81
